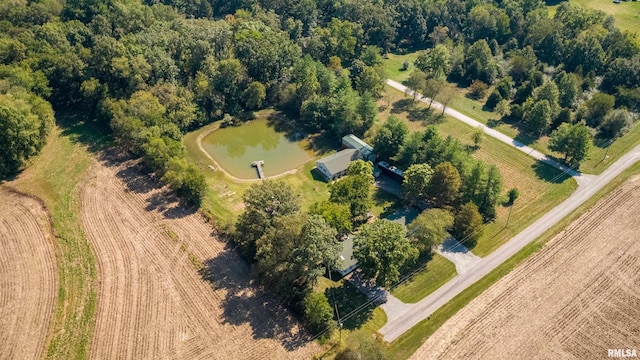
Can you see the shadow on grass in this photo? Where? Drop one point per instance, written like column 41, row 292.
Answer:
column 244, row 303
column 79, row 129
column 524, row 138
column 548, row 173
column 411, row 270
column 402, row 105
column 351, row 305
column 315, row 175
column 493, row 123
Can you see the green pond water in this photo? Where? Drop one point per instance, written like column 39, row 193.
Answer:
column 234, row 148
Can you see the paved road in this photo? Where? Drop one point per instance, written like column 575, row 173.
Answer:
column 417, row 312
column 493, row 133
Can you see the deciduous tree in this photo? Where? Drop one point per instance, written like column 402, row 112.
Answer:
column 467, row 225
column 430, row 228
column 381, row 249
column 573, row 141
column 444, row 185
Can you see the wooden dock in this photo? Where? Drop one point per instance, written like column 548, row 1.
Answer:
column 258, row 165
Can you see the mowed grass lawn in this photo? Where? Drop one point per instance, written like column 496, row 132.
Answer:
column 393, row 64
column 541, row 186
column 223, row 200
column 438, row 271
column 627, row 13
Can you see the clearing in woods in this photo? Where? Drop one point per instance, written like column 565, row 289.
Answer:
column 28, row 281
column 169, row 287
column 576, row 298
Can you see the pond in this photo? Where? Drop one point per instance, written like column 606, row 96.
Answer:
column 234, row 148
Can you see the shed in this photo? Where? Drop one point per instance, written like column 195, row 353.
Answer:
column 353, row 142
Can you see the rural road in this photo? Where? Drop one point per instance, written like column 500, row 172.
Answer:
column 492, row 132
column 417, row 312
column 414, row 313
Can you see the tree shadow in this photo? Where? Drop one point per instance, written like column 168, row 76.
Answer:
column 352, row 305
column 402, row 105
column 493, row 123
column 420, row 114
column 245, row 303
column 282, row 124
column 137, row 179
column 524, row 138
column 324, row 142
column 412, row 269
column 79, row 129
column 548, row 173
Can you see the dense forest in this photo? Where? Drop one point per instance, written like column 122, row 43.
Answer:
column 150, row 70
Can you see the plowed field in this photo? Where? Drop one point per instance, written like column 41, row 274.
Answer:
column 28, row 283
column 169, row 288
column 575, row 299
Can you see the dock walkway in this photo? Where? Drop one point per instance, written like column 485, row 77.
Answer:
column 258, row 165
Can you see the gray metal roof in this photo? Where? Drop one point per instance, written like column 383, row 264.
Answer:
column 355, row 142
column 346, row 260
column 339, row 161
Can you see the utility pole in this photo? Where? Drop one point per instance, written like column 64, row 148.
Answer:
column 607, row 151
column 509, row 216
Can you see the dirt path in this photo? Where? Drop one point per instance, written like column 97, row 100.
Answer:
column 28, row 282
column 153, row 301
column 575, row 299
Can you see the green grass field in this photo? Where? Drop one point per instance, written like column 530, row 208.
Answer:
column 409, row 342
column 55, row 177
column 540, row 189
column 393, row 65
column 439, row 270
column 627, row 13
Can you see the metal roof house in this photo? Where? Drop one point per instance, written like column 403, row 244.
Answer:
column 335, row 166
column 353, row 142
column 346, row 263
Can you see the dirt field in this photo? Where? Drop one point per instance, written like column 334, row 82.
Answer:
column 153, row 301
column 28, row 283
column 575, row 299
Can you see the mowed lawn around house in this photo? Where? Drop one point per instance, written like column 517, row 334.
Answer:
column 541, row 187
column 437, row 272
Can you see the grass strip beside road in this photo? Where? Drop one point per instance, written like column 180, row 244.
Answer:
column 438, row 272
column 408, row 343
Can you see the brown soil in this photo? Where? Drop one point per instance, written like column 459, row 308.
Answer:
column 28, row 282
column 169, row 287
column 575, row 299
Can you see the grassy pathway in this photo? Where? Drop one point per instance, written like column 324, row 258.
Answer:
column 55, row 177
